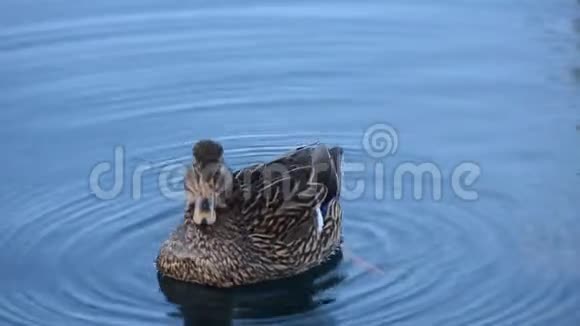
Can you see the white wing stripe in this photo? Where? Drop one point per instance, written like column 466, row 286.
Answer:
column 319, row 220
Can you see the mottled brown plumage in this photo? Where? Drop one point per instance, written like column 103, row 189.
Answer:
column 263, row 222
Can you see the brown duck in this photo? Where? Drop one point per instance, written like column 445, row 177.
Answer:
column 264, row 222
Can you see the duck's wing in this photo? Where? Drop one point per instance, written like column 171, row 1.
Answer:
column 285, row 199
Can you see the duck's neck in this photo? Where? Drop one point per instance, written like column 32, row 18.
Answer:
column 223, row 228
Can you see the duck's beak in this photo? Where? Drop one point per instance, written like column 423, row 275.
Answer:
column 204, row 212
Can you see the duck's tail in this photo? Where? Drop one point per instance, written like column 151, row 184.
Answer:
column 328, row 169
column 336, row 160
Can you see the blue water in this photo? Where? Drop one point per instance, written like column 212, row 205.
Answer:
column 493, row 83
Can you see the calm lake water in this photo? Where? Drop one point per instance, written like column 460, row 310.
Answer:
column 494, row 83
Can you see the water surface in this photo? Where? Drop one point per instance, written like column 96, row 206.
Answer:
column 495, row 83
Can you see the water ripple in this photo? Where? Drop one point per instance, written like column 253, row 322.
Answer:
column 100, row 254
column 154, row 81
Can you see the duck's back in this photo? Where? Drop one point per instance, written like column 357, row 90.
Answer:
column 290, row 208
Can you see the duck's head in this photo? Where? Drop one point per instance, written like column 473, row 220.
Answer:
column 208, row 183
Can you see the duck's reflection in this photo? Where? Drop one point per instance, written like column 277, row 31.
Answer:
column 200, row 305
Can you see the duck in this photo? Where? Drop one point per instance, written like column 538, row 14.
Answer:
column 264, row 222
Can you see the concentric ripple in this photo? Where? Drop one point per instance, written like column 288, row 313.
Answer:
column 87, row 256
column 80, row 83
